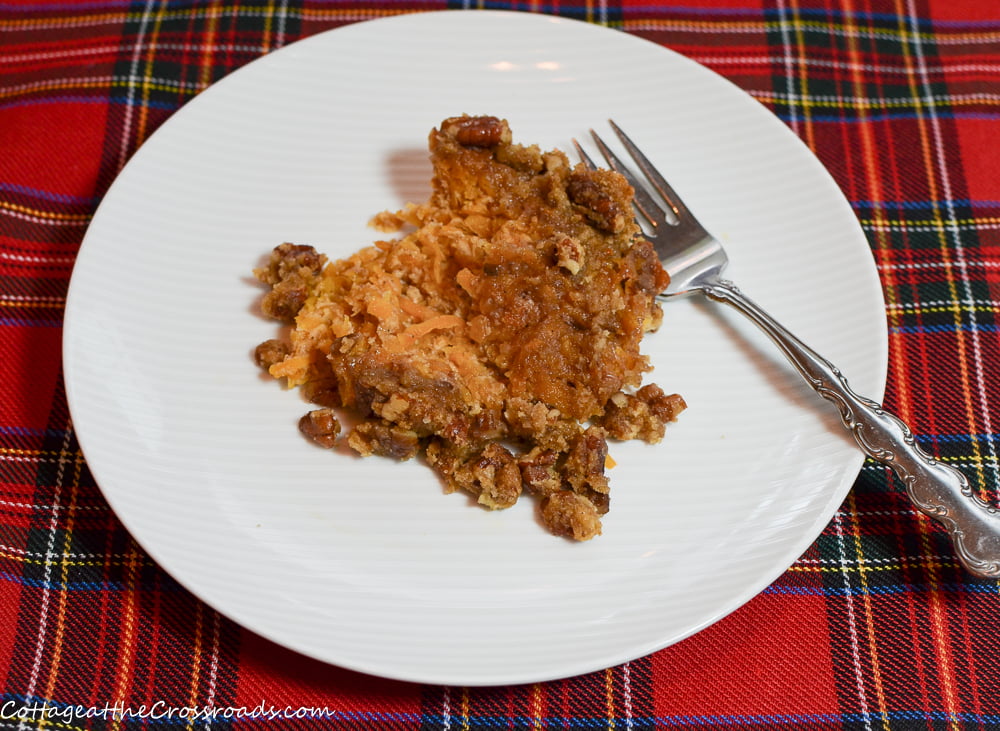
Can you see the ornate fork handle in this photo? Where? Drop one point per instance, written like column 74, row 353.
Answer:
column 936, row 489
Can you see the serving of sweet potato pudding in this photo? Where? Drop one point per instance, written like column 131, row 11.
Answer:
column 497, row 334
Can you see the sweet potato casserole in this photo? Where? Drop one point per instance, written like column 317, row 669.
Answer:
column 497, row 333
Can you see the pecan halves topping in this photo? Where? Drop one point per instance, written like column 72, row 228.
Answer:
column 290, row 272
column 270, row 352
column 477, row 131
column 321, row 426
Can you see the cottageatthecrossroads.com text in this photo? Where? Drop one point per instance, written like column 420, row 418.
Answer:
column 158, row 711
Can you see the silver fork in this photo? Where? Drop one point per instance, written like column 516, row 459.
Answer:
column 695, row 261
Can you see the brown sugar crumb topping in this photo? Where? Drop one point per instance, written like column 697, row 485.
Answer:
column 498, row 334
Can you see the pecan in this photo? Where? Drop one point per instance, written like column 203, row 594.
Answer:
column 539, row 471
column 629, row 417
column 570, row 515
column 569, row 254
column 498, row 477
column 321, row 426
column 288, row 258
column 491, row 474
column 289, row 271
column 322, row 391
column 584, row 467
column 586, row 458
column 600, row 207
column 286, row 299
column 665, row 407
column 648, row 273
column 642, row 416
column 376, row 436
column 477, row 131
column 270, row 352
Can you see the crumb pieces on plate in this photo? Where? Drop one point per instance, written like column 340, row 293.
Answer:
column 497, row 334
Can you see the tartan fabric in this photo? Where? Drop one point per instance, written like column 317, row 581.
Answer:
column 875, row 627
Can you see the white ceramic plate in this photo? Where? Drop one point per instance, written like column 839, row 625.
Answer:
column 365, row 563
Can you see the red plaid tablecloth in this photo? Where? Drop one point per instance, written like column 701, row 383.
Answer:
column 876, row 626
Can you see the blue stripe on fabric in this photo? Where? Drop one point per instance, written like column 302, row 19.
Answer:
column 21, row 322
column 20, row 431
column 960, row 438
column 923, row 205
column 936, row 329
column 63, row 586
column 983, row 587
column 83, row 4
column 90, row 100
column 166, row 584
column 892, row 116
column 48, row 195
column 894, row 18
column 810, row 719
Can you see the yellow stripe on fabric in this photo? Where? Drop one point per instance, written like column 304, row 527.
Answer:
column 915, row 308
column 265, row 40
column 708, row 26
column 265, row 36
column 78, row 21
column 75, row 217
column 39, row 453
column 464, row 708
column 841, row 102
column 804, row 566
column 205, row 62
column 609, row 692
column 318, row 14
column 803, row 77
column 100, row 83
column 939, row 226
column 38, row 219
column 535, row 707
column 65, row 562
column 147, row 77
